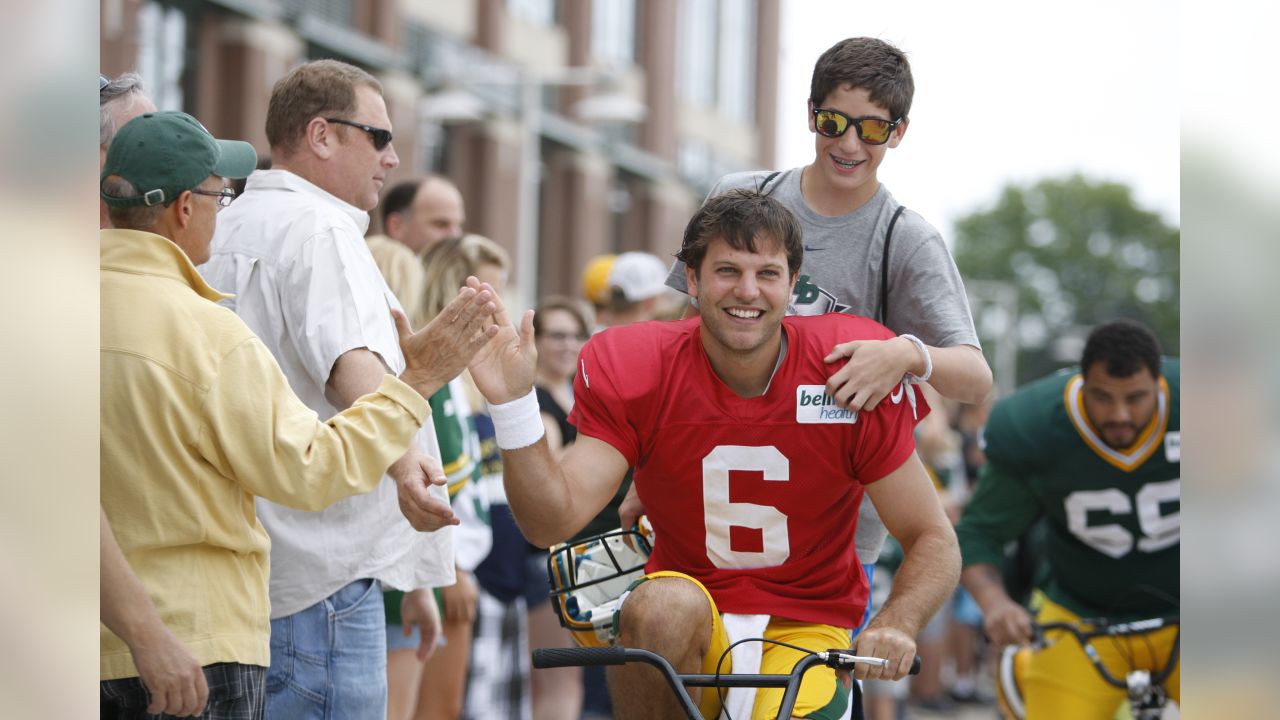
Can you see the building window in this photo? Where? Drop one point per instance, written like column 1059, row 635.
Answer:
column 698, row 35
column 162, row 54
column 623, row 213
column 613, row 32
column 534, row 12
column 693, row 163
column 338, row 12
column 718, row 56
column 737, row 65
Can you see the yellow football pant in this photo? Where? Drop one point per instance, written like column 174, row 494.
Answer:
column 820, row 695
column 1062, row 684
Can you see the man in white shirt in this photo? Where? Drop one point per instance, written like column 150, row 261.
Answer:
column 292, row 250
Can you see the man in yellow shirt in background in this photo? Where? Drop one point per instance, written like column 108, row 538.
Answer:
column 197, row 418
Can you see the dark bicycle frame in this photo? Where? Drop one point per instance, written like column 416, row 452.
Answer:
column 1103, row 627
column 617, row 655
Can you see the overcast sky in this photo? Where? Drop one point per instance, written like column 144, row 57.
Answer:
column 1008, row 91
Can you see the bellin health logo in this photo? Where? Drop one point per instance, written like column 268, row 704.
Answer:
column 814, row 405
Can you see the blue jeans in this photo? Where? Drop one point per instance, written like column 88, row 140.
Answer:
column 329, row 661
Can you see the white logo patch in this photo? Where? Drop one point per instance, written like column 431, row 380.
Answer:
column 1173, row 446
column 815, row 406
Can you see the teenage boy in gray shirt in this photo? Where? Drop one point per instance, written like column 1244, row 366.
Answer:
column 860, row 95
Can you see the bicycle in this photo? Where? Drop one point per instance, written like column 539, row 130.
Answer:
column 1146, row 693
column 618, row 655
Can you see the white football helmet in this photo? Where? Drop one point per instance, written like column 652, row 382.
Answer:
column 590, row 579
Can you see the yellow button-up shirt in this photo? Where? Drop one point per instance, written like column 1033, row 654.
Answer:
column 197, row 419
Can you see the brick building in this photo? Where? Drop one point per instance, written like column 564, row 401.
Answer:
column 703, row 73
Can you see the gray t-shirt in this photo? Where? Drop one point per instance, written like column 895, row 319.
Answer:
column 841, row 273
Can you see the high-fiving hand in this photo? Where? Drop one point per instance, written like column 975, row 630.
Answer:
column 505, row 368
column 440, row 351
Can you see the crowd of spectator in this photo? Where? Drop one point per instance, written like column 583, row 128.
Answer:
column 303, row 510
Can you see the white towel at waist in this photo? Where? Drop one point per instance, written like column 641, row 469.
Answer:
column 746, row 659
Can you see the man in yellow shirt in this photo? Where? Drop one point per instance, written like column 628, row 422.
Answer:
column 167, row 669
column 197, row 418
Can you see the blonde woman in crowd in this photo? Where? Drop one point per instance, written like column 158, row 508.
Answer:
column 431, row 683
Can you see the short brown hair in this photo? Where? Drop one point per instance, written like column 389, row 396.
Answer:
column 742, row 218
column 873, row 65
column 317, row 89
column 136, row 217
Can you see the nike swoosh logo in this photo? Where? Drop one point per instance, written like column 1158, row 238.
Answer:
column 811, row 249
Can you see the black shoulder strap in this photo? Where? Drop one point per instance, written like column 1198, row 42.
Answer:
column 761, row 188
column 883, row 312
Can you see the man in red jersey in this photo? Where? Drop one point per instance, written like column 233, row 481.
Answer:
column 748, row 469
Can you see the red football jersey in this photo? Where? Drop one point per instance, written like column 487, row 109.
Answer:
column 756, row 498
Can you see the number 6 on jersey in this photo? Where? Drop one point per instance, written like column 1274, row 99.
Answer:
column 721, row 514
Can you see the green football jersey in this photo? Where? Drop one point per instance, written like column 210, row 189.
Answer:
column 1112, row 515
column 455, row 435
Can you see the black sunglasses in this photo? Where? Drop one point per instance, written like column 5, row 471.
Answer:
column 870, row 129
column 381, row 138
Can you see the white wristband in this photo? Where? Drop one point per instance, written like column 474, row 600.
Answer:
column 517, row 424
column 928, row 361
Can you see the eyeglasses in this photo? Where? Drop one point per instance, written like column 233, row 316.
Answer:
column 225, row 195
column 871, row 130
column 563, row 337
column 103, row 82
column 381, row 138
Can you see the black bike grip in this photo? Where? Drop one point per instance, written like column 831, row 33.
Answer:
column 578, row 657
column 915, row 666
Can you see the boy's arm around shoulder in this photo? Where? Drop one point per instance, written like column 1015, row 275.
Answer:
column 927, row 300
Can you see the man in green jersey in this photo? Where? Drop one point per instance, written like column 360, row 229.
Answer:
column 1095, row 452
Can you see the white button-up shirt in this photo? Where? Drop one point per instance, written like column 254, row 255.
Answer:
column 304, row 281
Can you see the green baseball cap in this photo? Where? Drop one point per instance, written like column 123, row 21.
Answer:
column 164, row 154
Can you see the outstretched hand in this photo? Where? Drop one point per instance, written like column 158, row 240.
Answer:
column 505, row 368
column 874, row 369
column 440, row 351
column 414, row 473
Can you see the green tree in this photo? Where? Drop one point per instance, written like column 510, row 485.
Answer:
column 1074, row 253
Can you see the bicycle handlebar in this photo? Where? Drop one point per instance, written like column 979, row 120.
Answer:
column 578, row 657
column 1105, row 628
column 617, row 655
